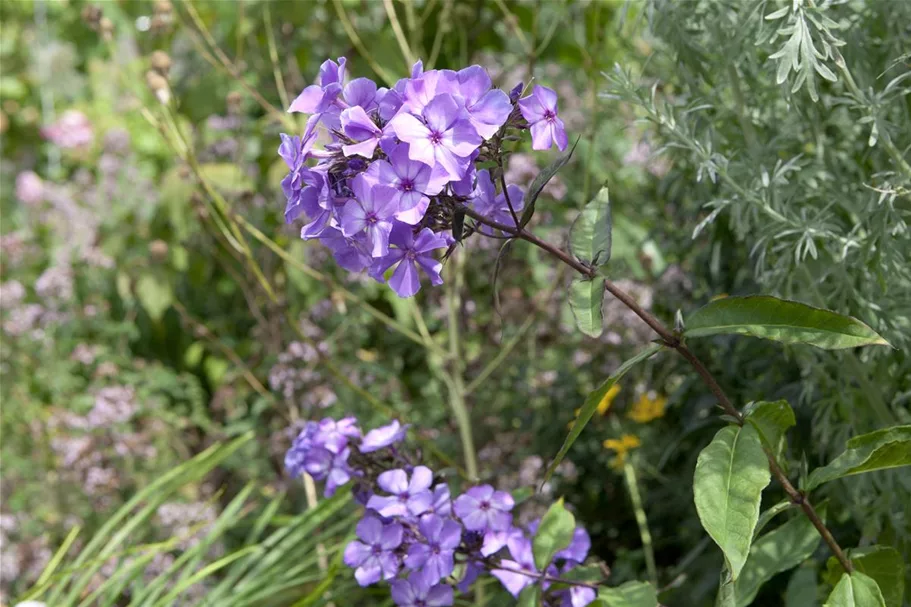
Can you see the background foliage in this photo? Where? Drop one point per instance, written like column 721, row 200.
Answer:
column 151, row 383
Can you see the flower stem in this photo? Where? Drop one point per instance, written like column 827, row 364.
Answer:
column 632, row 484
column 453, row 379
column 671, row 340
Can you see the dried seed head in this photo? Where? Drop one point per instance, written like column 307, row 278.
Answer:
column 234, row 100
column 106, row 28
column 91, row 16
column 163, row 7
column 159, row 86
column 160, row 62
column 159, row 250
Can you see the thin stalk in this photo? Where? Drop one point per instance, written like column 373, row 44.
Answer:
column 454, row 379
column 632, row 485
column 359, row 44
column 399, row 33
column 671, row 340
column 273, row 58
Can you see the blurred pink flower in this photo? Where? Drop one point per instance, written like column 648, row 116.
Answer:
column 29, row 187
column 72, row 130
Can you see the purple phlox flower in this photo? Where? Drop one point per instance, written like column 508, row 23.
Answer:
column 488, row 109
column 488, row 203
column 303, row 443
column 357, row 125
column 373, row 556
column 362, row 92
column 295, row 151
column 421, row 90
column 522, row 560
column 540, row 110
column 421, row 590
column 382, row 437
column 414, row 181
column 410, row 252
column 322, row 464
column 494, row 541
column 441, row 505
column 321, row 99
column 409, row 498
column 472, row 571
column 578, row 548
column 373, row 211
column 350, row 253
column 577, row 596
column 434, row 554
column 481, row 508
column 443, row 137
column 465, row 186
column 335, row 435
column 516, row 92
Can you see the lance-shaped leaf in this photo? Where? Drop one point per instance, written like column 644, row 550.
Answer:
column 781, row 320
column 727, row 486
column 772, row 420
column 590, row 235
column 630, row 594
column 554, row 534
column 778, row 550
column 538, row 183
column 585, row 298
column 802, row 589
column 856, row 590
column 529, row 597
column 591, row 405
column 879, row 450
column 882, row 563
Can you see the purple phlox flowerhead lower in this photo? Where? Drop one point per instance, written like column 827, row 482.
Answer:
column 421, row 590
column 523, row 559
column 443, row 138
column 357, row 125
column 382, row 437
column 577, row 596
column 362, row 92
column 493, row 206
column 578, row 548
column 409, row 253
column 372, row 211
column 482, row 508
column 374, row 555
column 488, row 109
column 296, row 456
column 434, row 553
column 408, row 498
column 494, row 541
column 540, row 110
column 303, row 187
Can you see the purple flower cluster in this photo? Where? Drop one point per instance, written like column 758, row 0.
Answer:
column 400, row 161
column 415, row 534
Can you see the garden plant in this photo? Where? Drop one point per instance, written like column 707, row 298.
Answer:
column 538, row 303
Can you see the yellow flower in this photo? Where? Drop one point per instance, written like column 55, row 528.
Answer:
column 609, row 397
column 603, row 406
column 649, row 406
column 622, row 447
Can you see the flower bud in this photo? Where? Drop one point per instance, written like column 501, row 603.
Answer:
column 106, row 27
column 159, row 86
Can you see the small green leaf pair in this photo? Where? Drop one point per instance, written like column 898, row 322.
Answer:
column 590, row 243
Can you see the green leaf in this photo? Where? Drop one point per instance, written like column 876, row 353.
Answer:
column 529, row 597
column 501, row 254
column 789, row 322
column 590, row 235
column 771, row 420
column 883, row 564
column 591, row 405
column 855, row 590
column 154, row 295
column 554, row 534
column 802, row 589
column 730, row 475
column 630, row 594
column 779, row 550
column 879, row 450
column 727, row 595
column 770, row 513
column 585, row 297
column 537, row 185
